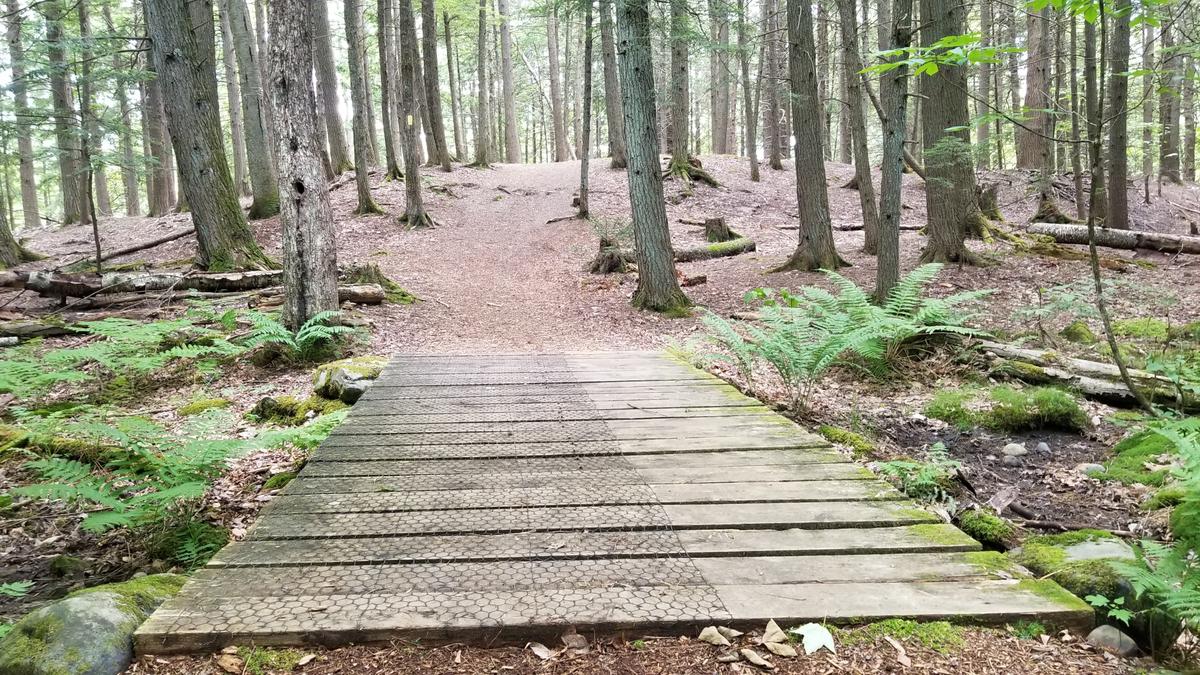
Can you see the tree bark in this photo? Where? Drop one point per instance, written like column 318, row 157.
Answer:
column 388, row 91
column 263, row 183
column 949, row 166
column 129, row 175
column 750, row 111
column 1123, row 239
column 1099, row 201
column 26, row 170
column 95, row 185
column 1148, row 84
column 815, row 249
column 895, row 105
column 771, row 104
column 512, row 146
column 1032, row 144
column 556, row 100
column 460, row 148
column 360, row 101
column 1168, row 109
column 233, row 95
column 49, row 283
column 482, row 125
column 719, row 100
column 658, row 288
column 983, row 131
column 612, row 88
column 1189, row 118
column 184, row 56
column 327, row 80
column 1117, row 216
column 848, row 15
column 414, row 207
column 11, row 251
column 433, row 88
column 66, row 132
column 680, row 35
column 158, row 191
column 586, row 131
column 309, row 248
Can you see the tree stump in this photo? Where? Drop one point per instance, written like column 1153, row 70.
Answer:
column 716, row 231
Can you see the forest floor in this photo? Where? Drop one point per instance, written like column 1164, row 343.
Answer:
column 494, row 276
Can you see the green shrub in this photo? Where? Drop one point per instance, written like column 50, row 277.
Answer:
column 190, row 545
column 951, row 406
column 315, row 340
column 929, row 480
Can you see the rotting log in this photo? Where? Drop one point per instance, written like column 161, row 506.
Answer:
column 1122, row 239
column 362, row 294
column 718, row 250
column 1093, row 379
column 83, row 285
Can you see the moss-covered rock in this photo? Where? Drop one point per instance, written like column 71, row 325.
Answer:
column 203, row 405
column 1078, row 332
column 987, row 528
column 66, row 566
column 1051, row 556
column 90, row 631
column 347, row 380
column 290, row 411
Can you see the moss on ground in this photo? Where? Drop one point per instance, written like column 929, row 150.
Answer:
column 261, row 661
column 1078, row 332
column 1130, row 457
column 1007, row 409
column 987, row 528
column 1052, row 591
column 290, row 411
column 938, row 533
column 203, row 405
column 1142, row 328
column 991, row 562
column 858, row 444
column 1046, row 556
column 940, row 636
column 279, row 480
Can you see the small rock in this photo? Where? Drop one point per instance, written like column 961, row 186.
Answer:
column 1012, row 460
column 713, row 637
column 1111, row 639
column 754, row 658
column 1088, row 469
column 1014, row 450
column 1042, row 448
column 230, row 664
column 347, row 380
column 574, row 641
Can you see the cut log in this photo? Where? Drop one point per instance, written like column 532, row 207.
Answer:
column 1123, row 239
column 84, row 285
column 719, row 250
column 1096, row 380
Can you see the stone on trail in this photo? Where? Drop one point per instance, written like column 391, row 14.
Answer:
column 1110, row 638
column 1012, row 460
column 89, row 632
column 347, row 380
column 1015, row 450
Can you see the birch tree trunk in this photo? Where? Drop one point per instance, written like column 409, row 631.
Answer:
column 360, row 100
column 309, row 247
column 233, row 96
column 263, row 183
column 815, row 249
column 16, row 55
column 612, row 88
column 184, row 57
column 327, row 80
column 658, row 289
column 433, row 87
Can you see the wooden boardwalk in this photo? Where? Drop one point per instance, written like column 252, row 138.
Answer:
column 509, row 496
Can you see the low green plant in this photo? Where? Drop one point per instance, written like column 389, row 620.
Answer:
column 1141, row 458
column 950, row 405
column 262, row 661
column 860, row 445
column 313, row 341
column 1142, row 328
column 928, row 480
column 940, row 636
column 1007, row 409
column 1113, row 608
column 190, row 544
column 16, row 589
column 800, row 336
column 1029, row 630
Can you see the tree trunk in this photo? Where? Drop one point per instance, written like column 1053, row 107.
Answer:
column 327, row 80
column 1098, row 202
column 848, row 15
column 556, row 100
column 612, row 88
column 1117, row 216
column 233, row 94
column 414, row 208
column 750, row 111
column 16, row 54
column 949, row 167
column 586, row 131
column 482, row 139
column 512, row 146
column 895, row 104
column 460, row 148
column 388, row 92
column 263, row 184
column 421, row 108
column 1123, row 239
column 820, row 54
column 158, row 197
column 815, row 249
column 1032, row 145
column 66, row 132
column 129, row 174
column 184, row 57
column 309, row 249
column 360, row 101
column 1148, row 84
column 11, row 251
column 657, row 287
column 1168, row 109
column 680, row 36
column 1076, row 113
column 433, row 88
column 719, row 76
column 983, row 132
column 771, row 104
column 361, row 52
column 95, row 187
column 1189, row 118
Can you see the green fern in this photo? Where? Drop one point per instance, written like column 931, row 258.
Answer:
column 310, row 342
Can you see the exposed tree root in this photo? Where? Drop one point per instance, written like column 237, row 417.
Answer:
column 423, row 221
column 610, row 259
column 689, row 172
column 1048, row 211
column 804, row 259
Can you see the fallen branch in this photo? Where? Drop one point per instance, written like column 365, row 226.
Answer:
column 718, row 250
column 560, row 219
column 854, row 227
column 1122, row 239
column 138, row 247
